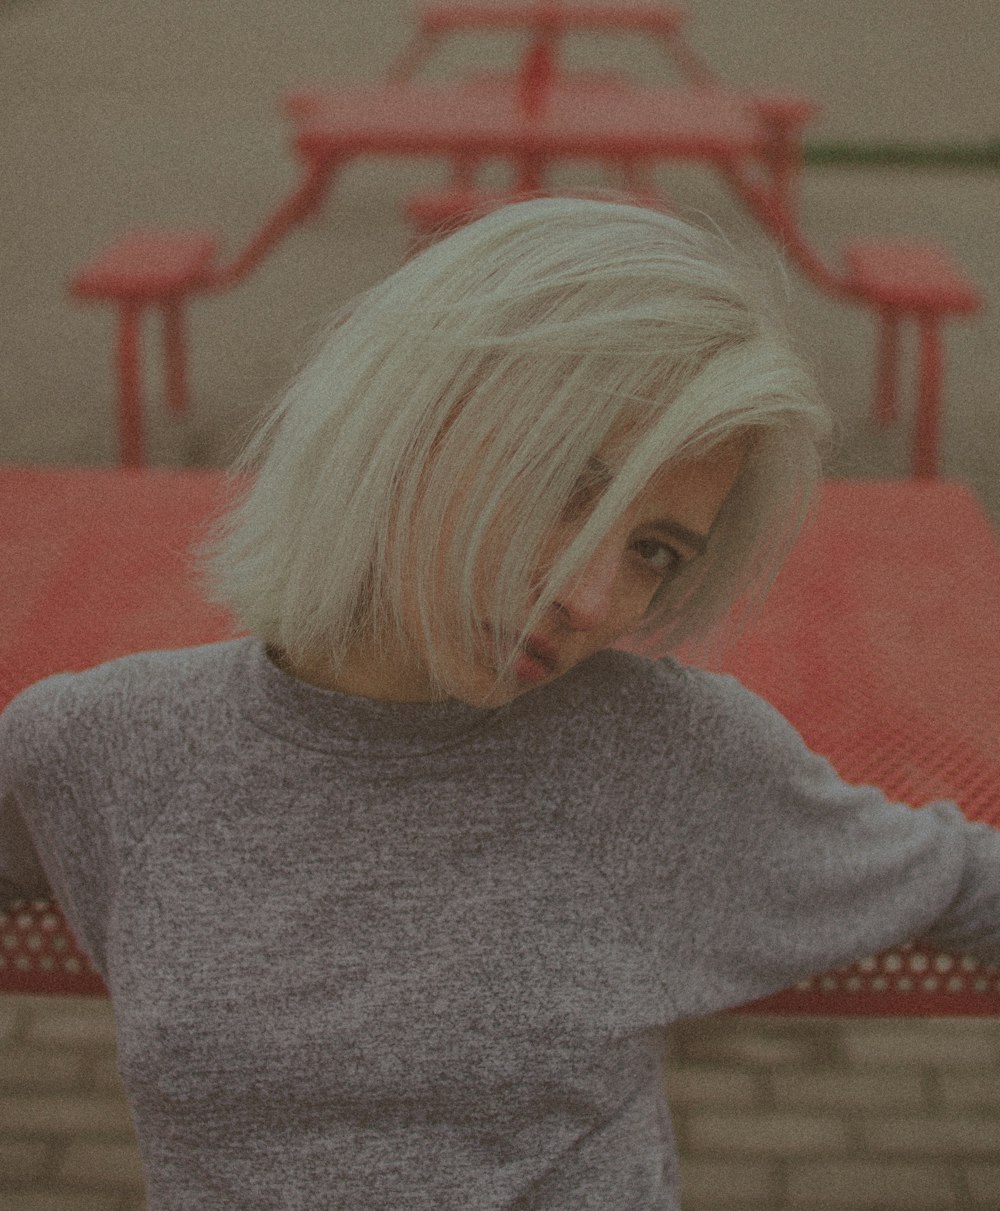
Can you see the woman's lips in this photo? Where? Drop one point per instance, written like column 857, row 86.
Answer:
column 537, row 651
column 530, row 668
column 543, row 650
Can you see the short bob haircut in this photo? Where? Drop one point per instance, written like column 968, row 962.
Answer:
column 501, row 358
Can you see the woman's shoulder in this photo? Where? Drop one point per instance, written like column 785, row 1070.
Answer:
column 121, row 689
column 702, row 707
column 668, row 680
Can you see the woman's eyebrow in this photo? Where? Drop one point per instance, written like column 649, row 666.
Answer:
column 599, row 471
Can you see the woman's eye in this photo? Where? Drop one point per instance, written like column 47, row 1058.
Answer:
column 673, row 558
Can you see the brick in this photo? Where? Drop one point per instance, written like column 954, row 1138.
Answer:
column 102, row 1076
column 38, row 1068
column 970, row 1090
column 696, row 1086
column 956, row 1137
column 915, row 1043
column 62, row 1114
column 807, row 1026
column 59, row 1200
column 984, row 1184
column 757, row 1051
column 100, row 1163
column 785, row 1134
column 870, row 1184
column 22, row 1161
column 10, row 1018
column 707, row 1183
column 847, row 1090
column 84, row 1021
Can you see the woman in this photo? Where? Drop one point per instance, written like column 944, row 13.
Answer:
column 396, row 894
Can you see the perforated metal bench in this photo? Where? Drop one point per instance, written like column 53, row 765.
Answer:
column 39, row 956
column 148, row 269
column 865, row 607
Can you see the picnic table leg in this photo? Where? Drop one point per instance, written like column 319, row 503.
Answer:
column 928, row 398
column 692, row 67
column 530, row 174
column 785, row 163
column 173, row 341
column 130, row 435
column 537, row 72
column 639, row 181
column 464, row 167
column 413, row 56
column 306, row 204
column 303, row 204
column 887, row 371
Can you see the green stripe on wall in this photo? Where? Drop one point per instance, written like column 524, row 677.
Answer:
column 905, row 155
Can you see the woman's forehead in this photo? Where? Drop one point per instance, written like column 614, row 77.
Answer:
column 609, row 458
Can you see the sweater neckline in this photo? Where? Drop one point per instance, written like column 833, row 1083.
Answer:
column 330, row 719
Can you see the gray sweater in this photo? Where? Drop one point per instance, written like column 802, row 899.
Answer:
column 372, row 956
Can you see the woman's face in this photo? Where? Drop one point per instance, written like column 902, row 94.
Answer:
column 606, row 601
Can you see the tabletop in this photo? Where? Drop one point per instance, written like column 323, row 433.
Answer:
column 879, row 642
column 451, row 15
column 575, row 120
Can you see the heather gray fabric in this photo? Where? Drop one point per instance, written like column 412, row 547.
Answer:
column 369, row 956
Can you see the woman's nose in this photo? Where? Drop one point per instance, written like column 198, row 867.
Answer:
column 589, row 600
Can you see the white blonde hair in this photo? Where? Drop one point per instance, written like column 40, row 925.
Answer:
column 500, row 359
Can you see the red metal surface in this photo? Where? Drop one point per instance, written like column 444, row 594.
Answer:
column 907, row 982
column 39, row 956
column 877, row 643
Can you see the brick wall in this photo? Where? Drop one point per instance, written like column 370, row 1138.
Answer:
column 790, row 1114
column 772, row 1114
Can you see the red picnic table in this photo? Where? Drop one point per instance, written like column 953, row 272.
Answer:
column 533, row 117
column 879, row 643
column 548, row 22
column 474, row 120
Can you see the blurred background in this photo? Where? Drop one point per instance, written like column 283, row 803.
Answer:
column 125, row 114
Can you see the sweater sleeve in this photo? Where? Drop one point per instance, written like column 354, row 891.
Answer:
column 752, row 864
column 48, row 836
